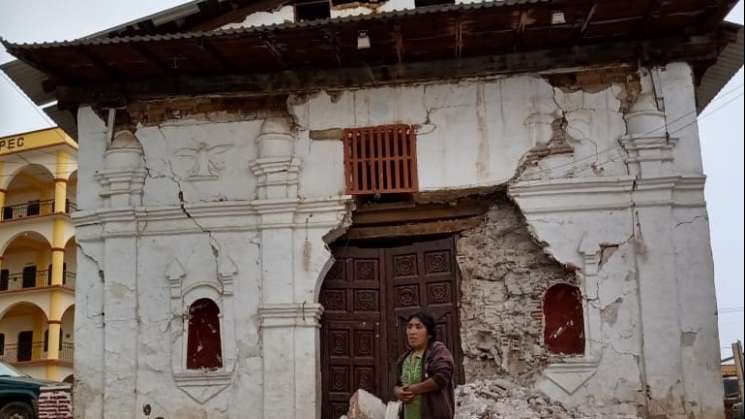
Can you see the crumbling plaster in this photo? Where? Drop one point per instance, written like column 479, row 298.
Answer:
column 207, row 189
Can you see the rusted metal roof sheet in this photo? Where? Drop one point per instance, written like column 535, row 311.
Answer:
column 263, row 29
column 485, row 32
column 730, row 60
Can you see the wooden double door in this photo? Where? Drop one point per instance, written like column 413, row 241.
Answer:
column 367, row 295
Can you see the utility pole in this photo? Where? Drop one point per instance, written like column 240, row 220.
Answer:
column 737, row 354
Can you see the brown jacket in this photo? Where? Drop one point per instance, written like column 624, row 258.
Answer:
column 438, row 365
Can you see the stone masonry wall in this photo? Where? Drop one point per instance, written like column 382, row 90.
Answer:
column 505, row 274
column 55, row 402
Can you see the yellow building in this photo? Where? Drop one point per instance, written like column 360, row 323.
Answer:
column 38, row 179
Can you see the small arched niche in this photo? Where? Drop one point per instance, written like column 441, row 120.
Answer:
column 564, row 330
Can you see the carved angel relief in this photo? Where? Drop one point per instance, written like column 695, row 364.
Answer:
column 207, row 161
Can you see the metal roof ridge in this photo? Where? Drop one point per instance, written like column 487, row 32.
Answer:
column 273, row 27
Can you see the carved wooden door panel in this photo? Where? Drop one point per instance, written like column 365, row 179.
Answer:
column 353, row 344
column 367, row 296
column 423, row 275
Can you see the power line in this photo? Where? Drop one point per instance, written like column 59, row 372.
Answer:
column 731, row 310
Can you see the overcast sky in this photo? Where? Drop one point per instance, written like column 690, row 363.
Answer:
column 721, row 126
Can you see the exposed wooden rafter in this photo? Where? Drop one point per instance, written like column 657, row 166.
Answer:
column 399, row 43
column 692, row 49
column 458, row 38
column 273, row 50
column 588, row 19
column 214, row 54
column 156, row 62
column 331, row 38
column 101, row 65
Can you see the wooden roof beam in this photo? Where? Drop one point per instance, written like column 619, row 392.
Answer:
column 588, row 19
column 151, row 59
column 214, row 54
column 693, row 49
column 331, row 38
column 458, row 38
column 101, row 65
column 269, row 44
column 399, row 43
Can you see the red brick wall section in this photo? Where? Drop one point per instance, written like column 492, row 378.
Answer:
column 55, row 402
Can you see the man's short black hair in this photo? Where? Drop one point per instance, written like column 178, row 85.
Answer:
column 427, row 320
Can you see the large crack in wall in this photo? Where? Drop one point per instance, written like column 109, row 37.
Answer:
column 504, row 275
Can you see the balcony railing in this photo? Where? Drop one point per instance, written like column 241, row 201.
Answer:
column 42, row 279
column 33, row 209
column 34, row 351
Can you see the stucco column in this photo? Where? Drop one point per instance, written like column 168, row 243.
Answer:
column 650, row 158
column 53, row 343
column 60, row 181
column 60, row 195
column 120, row 334
column 291, row 361
column 58, row 239
column 2, row 191
column 58, row 251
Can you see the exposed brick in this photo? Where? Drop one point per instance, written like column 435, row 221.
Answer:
column 55, row 402
column 505, row 274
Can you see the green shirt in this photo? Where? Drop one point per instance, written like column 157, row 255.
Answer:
column 411, row 373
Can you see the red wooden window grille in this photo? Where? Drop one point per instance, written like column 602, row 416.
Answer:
column 380, row 160
column 204, row 347
column 564, row 331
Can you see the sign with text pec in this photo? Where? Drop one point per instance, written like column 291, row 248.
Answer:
column 11, row 144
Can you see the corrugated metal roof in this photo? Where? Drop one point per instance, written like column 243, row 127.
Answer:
column 275, row 27
column 29, row 80
column 730, row 60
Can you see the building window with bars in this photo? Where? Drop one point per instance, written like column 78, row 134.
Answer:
column 380, row 160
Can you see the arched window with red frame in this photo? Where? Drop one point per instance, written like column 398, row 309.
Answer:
column 564, row 329
column 204, row 346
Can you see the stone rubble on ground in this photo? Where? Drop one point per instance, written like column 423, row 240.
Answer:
column 486, row 399
column 503, row 399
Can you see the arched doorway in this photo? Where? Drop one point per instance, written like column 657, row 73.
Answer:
column 368, row 294
column 30, row 193
column 72, row 193
column 25, row 260
column 22, row 329
column 67, row 335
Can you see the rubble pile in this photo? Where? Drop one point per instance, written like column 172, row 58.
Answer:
column 498, row 399
column 486, row 399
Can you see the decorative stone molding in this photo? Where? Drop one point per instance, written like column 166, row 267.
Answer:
column 276, row 169
column 574, row 371
column 607, row 193
column 290, row 315
column 275, row 139
column 570, row 376
column 648, row 145
column 276, row 177
column 545, row 112
column 649, row 156
column 202, row 385
column 226, row 216
column 591, row 249
column 123, row 178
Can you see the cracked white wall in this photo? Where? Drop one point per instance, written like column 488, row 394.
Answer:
column 621, row 207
